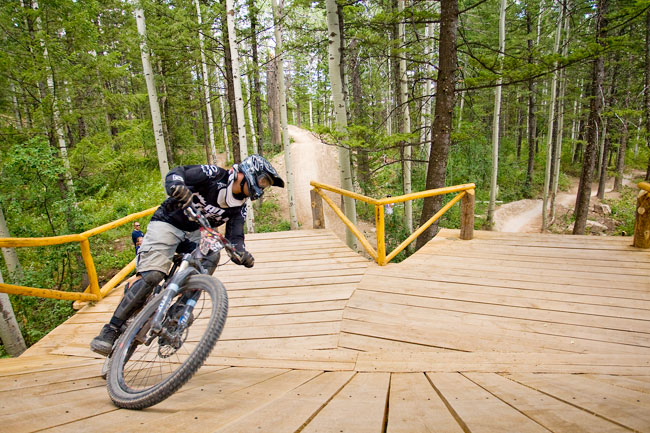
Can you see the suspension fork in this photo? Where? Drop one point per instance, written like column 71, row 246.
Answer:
column 173, row 288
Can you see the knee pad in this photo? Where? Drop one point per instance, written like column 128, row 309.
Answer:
column 137, row 293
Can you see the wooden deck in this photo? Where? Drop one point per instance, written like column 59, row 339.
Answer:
column 504, row 333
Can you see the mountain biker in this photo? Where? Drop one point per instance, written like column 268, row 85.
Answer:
column 221, row 196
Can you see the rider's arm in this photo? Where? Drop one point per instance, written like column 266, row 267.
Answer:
column 235, row 229
column 192, row 176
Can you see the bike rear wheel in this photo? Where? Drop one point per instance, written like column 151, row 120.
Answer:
column 141, row 373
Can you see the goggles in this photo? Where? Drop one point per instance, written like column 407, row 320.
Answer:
column 264, row 181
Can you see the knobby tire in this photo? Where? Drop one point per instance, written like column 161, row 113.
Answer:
column 125, row 396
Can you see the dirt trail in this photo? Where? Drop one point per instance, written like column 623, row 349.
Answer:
column 525, row 216
column 313, row 160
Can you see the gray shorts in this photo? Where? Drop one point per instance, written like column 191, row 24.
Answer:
column 159, row 245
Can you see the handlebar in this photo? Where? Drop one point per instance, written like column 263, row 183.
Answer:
column 196, row 215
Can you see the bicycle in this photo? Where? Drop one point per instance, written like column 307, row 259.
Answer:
column 175, row 331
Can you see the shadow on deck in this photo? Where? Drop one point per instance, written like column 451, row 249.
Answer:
column 504, row 333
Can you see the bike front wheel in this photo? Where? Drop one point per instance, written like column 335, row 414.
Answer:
column 146, row 369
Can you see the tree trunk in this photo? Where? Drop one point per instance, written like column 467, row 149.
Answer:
column 273, row 102
column 239, row 102
column 532, row 117
column 256, row 92
column 551, row 122
column 153, row 94
column 496, row 119
column 230, row 93
column 586, row 177
column 10, row 334
column 441, row 137
column 57, row 125
column 406, row 120
column 206, row 89
column 334, row 61
column 288, row 162
column 622, row 148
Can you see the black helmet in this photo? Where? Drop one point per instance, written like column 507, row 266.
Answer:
column 259, row 175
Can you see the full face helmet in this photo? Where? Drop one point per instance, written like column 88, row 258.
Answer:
column 259, row 174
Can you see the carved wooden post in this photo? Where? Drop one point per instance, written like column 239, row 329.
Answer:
column 467, row 215
column 317, row 214
column 642, row 222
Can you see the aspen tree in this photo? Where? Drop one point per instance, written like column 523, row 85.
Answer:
column 496, row 118
column 206, row 88
column 406, row 120
column 153, row 94
column 239, row 101
column 283, row 115
column 341, row 119
column 551, row 118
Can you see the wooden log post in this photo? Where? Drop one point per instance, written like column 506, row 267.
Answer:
column 317, row 214
column 642, row 221
column 467, row 215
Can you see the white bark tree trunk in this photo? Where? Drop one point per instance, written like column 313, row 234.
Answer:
column 496, row 119
column 239, row 101
column 161, row 151
column 293, row 219
column 551, row 116
column 11, row 258
column 250, row 114
column 206, row 88
column 334, row 62
column 560, row 119
column 406, row 124
column 56, row 116
column 10, row 334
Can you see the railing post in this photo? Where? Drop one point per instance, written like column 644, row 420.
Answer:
column 317, row 214
column 642, row 220
column 381, row 234
column 90, row 268
column 467, row 215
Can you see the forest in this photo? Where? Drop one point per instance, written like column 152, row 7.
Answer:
column 100, row 98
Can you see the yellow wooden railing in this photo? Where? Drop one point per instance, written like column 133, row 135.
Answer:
column 465, row 192
column 642, row 217
column 93, row 292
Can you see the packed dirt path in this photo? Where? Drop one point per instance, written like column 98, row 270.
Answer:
column 525, row 216
column 313, row 160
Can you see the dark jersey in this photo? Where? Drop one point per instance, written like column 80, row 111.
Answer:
column 210, row 185
column 135, row 234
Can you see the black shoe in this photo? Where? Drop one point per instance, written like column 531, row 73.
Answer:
column 103, row 343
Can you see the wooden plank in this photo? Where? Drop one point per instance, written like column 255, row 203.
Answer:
column 551, row 413
column 365, row 343
column 418, row 274
column 289, row 412
column 478, row 410
column 619, row 405
column 212, row 387
column 414, row 406
column 359, row 407
column 503, row 362
column 486, row 284
column 580, row 338
column 487, row 263
column 512, row 311
column 623, row 381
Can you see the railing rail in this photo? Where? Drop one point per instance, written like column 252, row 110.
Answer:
column 465, row 193
column 93, row 292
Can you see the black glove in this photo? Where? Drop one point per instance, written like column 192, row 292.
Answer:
column 182, row 194
column 244, row 258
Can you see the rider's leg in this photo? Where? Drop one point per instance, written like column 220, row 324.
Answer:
column 153, row 261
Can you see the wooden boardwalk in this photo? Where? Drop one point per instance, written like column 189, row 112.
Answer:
column 504, row 333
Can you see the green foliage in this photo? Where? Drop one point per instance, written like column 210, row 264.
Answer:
column 267, row 218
